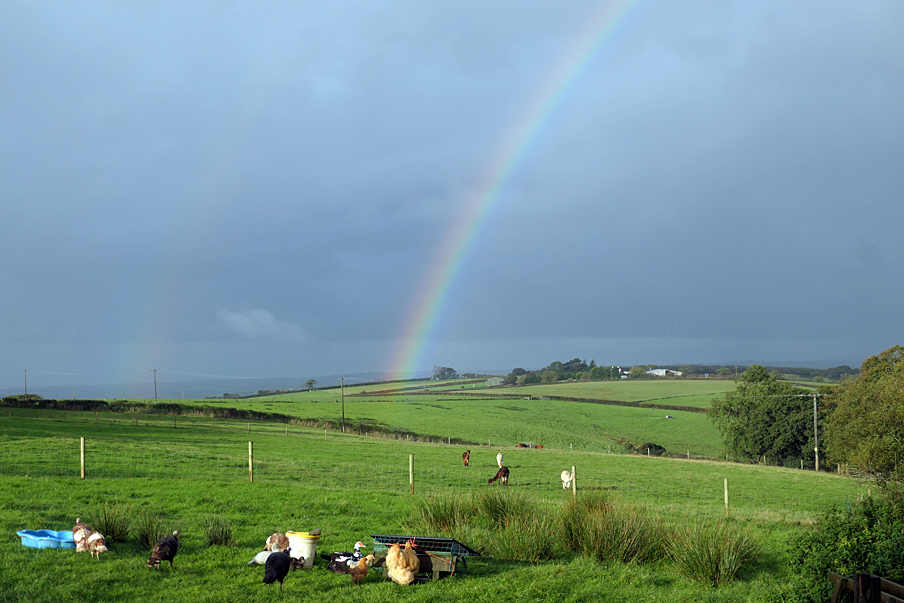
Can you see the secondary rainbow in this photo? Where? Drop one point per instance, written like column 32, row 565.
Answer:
column 432, row 297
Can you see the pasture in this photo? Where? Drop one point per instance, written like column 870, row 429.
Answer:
column 187, row 469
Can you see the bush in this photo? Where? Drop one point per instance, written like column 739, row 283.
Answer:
column 443, row 513
column 218, row 531
column 113, row 522
column 501, row 505
column 530, row 538
column 869, row 538
column 710, row 552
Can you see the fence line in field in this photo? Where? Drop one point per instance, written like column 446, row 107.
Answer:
column 60, row 457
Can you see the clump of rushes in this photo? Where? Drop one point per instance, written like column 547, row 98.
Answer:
column 218, row 531
column 442, row 513
column 710, row 552
column 499, row 505
column 113, row 522
column 605, row 532
column 532, row 538
column 149, row 528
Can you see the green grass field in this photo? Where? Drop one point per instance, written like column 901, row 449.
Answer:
column 189, row 468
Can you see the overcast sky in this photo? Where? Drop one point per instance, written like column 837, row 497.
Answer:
column 261, row 189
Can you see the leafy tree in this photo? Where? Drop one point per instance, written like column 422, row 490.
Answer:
column 311, row 384
column 866, row 428
column 444, row 372
column 638, row 372
column 549, row 376
column 765, row 416
column 518, row 372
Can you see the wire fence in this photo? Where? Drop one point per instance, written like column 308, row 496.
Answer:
column 61, row 457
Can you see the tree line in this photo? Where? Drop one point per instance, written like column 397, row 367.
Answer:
column 859, row 422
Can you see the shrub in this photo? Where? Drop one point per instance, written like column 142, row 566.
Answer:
column 113, row 522
column 218, row 531
column 443, row 513
column 710, row 552
column 869, row 537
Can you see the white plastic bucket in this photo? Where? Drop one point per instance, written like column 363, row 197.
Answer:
column 304, row 545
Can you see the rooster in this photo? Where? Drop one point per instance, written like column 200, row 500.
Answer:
column 360, row 571
column 402, row 565
column 165, row 550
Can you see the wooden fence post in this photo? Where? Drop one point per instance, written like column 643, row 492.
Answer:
column 250, row 461
column 82, row 449
column 726, row 497
column 411, row 474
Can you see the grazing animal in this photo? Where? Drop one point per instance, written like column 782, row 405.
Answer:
column 260, row 558
column 80, row 533
column 95, row 544
column 165, row 550
column 277, row 567
column 499, row 459
column 502, row 475
column 277, row 542
column 466, row 456
column 566, row 479
column 402, row 565
column 360, row 571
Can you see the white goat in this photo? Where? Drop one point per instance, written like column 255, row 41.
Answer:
column 566, row 479
column 499, row 459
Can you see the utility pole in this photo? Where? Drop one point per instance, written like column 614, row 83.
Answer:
column 342, row 395
column 155, row 383
column 26, row 381
column 815, row 432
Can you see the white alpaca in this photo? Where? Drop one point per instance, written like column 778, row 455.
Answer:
column 566, row 480
column 499, row 459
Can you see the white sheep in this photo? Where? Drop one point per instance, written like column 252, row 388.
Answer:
column 566, row 479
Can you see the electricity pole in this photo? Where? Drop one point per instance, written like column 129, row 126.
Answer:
column 26, row 381
column 342, row 394
column 155, row 383
column 815, row 433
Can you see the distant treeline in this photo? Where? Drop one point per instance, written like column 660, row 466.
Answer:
column 580, row 370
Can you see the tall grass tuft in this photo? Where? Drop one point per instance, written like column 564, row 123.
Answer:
column 218, row 531
column 500, row 505
column 605, row 532
column 442, row 513
column 710, row 552
column 530, row 538
column 149, row 527
column 113, row 522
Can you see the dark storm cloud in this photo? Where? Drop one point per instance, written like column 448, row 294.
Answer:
column 201, row 181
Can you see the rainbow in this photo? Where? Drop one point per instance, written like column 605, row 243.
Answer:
column 432, row 297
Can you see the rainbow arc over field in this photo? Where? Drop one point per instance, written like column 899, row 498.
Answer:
column 430, row 303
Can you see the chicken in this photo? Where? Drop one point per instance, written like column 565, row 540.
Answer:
column 80, row 533
column 402, row 565
column 95, row 544
column 277, row 567
column 260, row 558
column 277, row 542
column 165, row 550
column 360, row 571
column 341, row 562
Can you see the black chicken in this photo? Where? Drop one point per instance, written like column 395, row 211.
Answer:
column 277, row 567
column 165, row 550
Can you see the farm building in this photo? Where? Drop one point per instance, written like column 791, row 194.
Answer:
column 664, row 373
column 495, row 381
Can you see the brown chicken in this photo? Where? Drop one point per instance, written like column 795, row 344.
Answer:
column 402, row 565
column 359, row 571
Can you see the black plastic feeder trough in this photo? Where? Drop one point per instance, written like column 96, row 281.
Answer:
column 436, row 555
